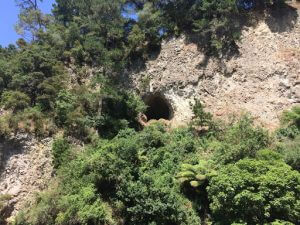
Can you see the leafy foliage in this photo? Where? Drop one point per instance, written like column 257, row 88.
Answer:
column 159, row 177
column 15, row 100
column 290, row 120
column 290, row 150
column 292, row 116
column 289, row 137
column 240, row 141
column 195, row 175
column 60, row 151
column 134, row 172
column 255, row 191
column 4, row 211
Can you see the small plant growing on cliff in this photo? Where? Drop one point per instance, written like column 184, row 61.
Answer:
column 4, row 212
column 201, row 118
column 290, row 122
column 145, row 83
column 292, row 117
column 60, row 150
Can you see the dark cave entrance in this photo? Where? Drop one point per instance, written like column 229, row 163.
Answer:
column 158, row 107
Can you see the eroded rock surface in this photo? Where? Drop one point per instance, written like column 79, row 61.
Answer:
column 263, row 79
column 26, row 168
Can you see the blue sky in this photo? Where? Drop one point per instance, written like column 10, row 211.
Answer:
column 129, row 11
column 9, row 16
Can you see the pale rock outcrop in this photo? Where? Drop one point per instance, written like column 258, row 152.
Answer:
column 263, row 79
column 26, row 168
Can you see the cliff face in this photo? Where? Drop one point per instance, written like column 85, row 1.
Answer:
column 262, row 79
column 26, row 169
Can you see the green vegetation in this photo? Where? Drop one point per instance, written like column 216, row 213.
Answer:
column 155, row 176
column 60, row 152
column 241, row 140
column 4, row 209
column 289, row 136
column 33, row 75
column 66, row 81
column 255, row 192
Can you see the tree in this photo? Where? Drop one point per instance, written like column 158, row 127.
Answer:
column 28, row 4
column 98, row 27
column 60, row 151
column 31, row 19
column 201, row 118
column 38, row 74
column 15, row 100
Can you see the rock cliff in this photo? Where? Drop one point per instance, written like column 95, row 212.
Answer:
column 26, row 169
column 263, row 78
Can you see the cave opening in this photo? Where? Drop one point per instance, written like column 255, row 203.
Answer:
column 158, row 107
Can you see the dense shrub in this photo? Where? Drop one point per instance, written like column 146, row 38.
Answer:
column 31, row 121
column 60, row 151
column 119, row 110
column 288, row 136
column 291, row 117
column 255, row 191
column 240, row 140
column 290, row 149
column 134, row 172
column 290, row 132
column 159, row 177
column 43, row 210
column 15, row 100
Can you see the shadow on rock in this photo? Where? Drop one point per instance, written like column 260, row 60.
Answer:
column 8, row 148
column 282, row 19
